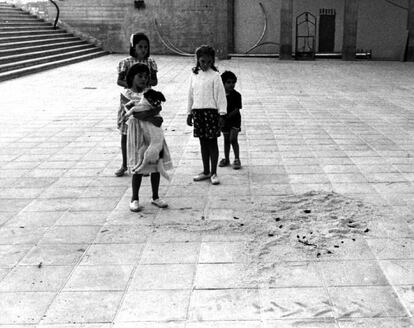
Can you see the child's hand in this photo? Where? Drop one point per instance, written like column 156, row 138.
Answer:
column 128, row 113
column 190, row 119
column 130, row 104
column 221, row 121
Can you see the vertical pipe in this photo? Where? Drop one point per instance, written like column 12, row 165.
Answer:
column 410, row 28
column 350, row 29
column 286, row 22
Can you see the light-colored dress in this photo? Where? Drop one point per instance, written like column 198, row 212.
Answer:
column 123, row 67
column 147, row 150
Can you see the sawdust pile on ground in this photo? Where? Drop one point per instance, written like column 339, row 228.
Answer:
column 311, row 225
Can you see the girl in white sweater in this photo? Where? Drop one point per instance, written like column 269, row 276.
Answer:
column 207, row 106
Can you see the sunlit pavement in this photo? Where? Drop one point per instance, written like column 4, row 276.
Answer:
column 73, row 255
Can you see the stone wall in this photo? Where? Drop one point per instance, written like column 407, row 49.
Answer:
column 183, row 24
column 229, row 25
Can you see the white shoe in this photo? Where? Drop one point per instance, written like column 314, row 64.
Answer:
column 214, row 179
column 201, row 176
column 160, row 203
column 134, row 206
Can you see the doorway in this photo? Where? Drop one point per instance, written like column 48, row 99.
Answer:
column 326, row 39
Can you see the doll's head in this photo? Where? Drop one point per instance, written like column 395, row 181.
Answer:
column 155, row 98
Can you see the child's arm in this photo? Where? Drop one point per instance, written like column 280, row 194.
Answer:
column 190, row 103
column 153, row 78
column 122, row 80
column 220, row 95
column 122, row 70
column 237, row 105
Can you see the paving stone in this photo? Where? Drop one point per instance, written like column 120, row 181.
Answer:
column 99, row 278
column 169, row 276
column 35, row 278
column 23, row 308
column 154, row 305
column 295, row 303
column 366, row 302
column 75, row 307
column 228, row 304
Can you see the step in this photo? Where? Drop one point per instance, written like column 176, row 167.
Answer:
column 50, row 46
column 22, row 18
column 46, row 59
column 29, row 32
column 24, row 24
column 38, row 68
column 43, row 53
column 49, row 35
column 14, row 13
column 35, row 42
column 25, row 28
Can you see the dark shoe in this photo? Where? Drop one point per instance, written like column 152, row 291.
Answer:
column 120, row 172
column 236, row 164
column 224, row 162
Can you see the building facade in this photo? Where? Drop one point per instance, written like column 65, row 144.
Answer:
column 384, row 27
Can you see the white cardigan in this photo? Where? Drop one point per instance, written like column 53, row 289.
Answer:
column 207, row 91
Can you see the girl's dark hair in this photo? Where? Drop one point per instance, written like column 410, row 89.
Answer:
column 228, row 75
column 135, row 38
column 204, row 50
column 134, row 70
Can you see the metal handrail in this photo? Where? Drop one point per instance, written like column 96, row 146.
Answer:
column 57, row 14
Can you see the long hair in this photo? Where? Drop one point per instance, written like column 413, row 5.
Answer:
column 134, row 70
column 204, row 50
column 134, row 39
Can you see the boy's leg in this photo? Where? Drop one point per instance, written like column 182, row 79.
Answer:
column 226, row 160
column 234, row 132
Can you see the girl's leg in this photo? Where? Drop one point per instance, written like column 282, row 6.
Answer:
column 205, row 155
column 214, row 154
column 124, row 150
column 155, row 184
column 136, row 185
column 121, row 171
column 234, row 142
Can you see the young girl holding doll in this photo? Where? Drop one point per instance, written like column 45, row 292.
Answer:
column 139, row 52
column 140, row 137
column 207, row 106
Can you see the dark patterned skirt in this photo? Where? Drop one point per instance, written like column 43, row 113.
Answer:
column 205, row 122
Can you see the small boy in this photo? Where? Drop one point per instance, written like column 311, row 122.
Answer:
column 232, row 124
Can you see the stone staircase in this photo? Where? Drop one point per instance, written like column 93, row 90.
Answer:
column 29, row 44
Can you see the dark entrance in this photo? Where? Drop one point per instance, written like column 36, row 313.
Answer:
column 327, row 30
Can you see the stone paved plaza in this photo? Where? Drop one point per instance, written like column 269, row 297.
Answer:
column 73, row 255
